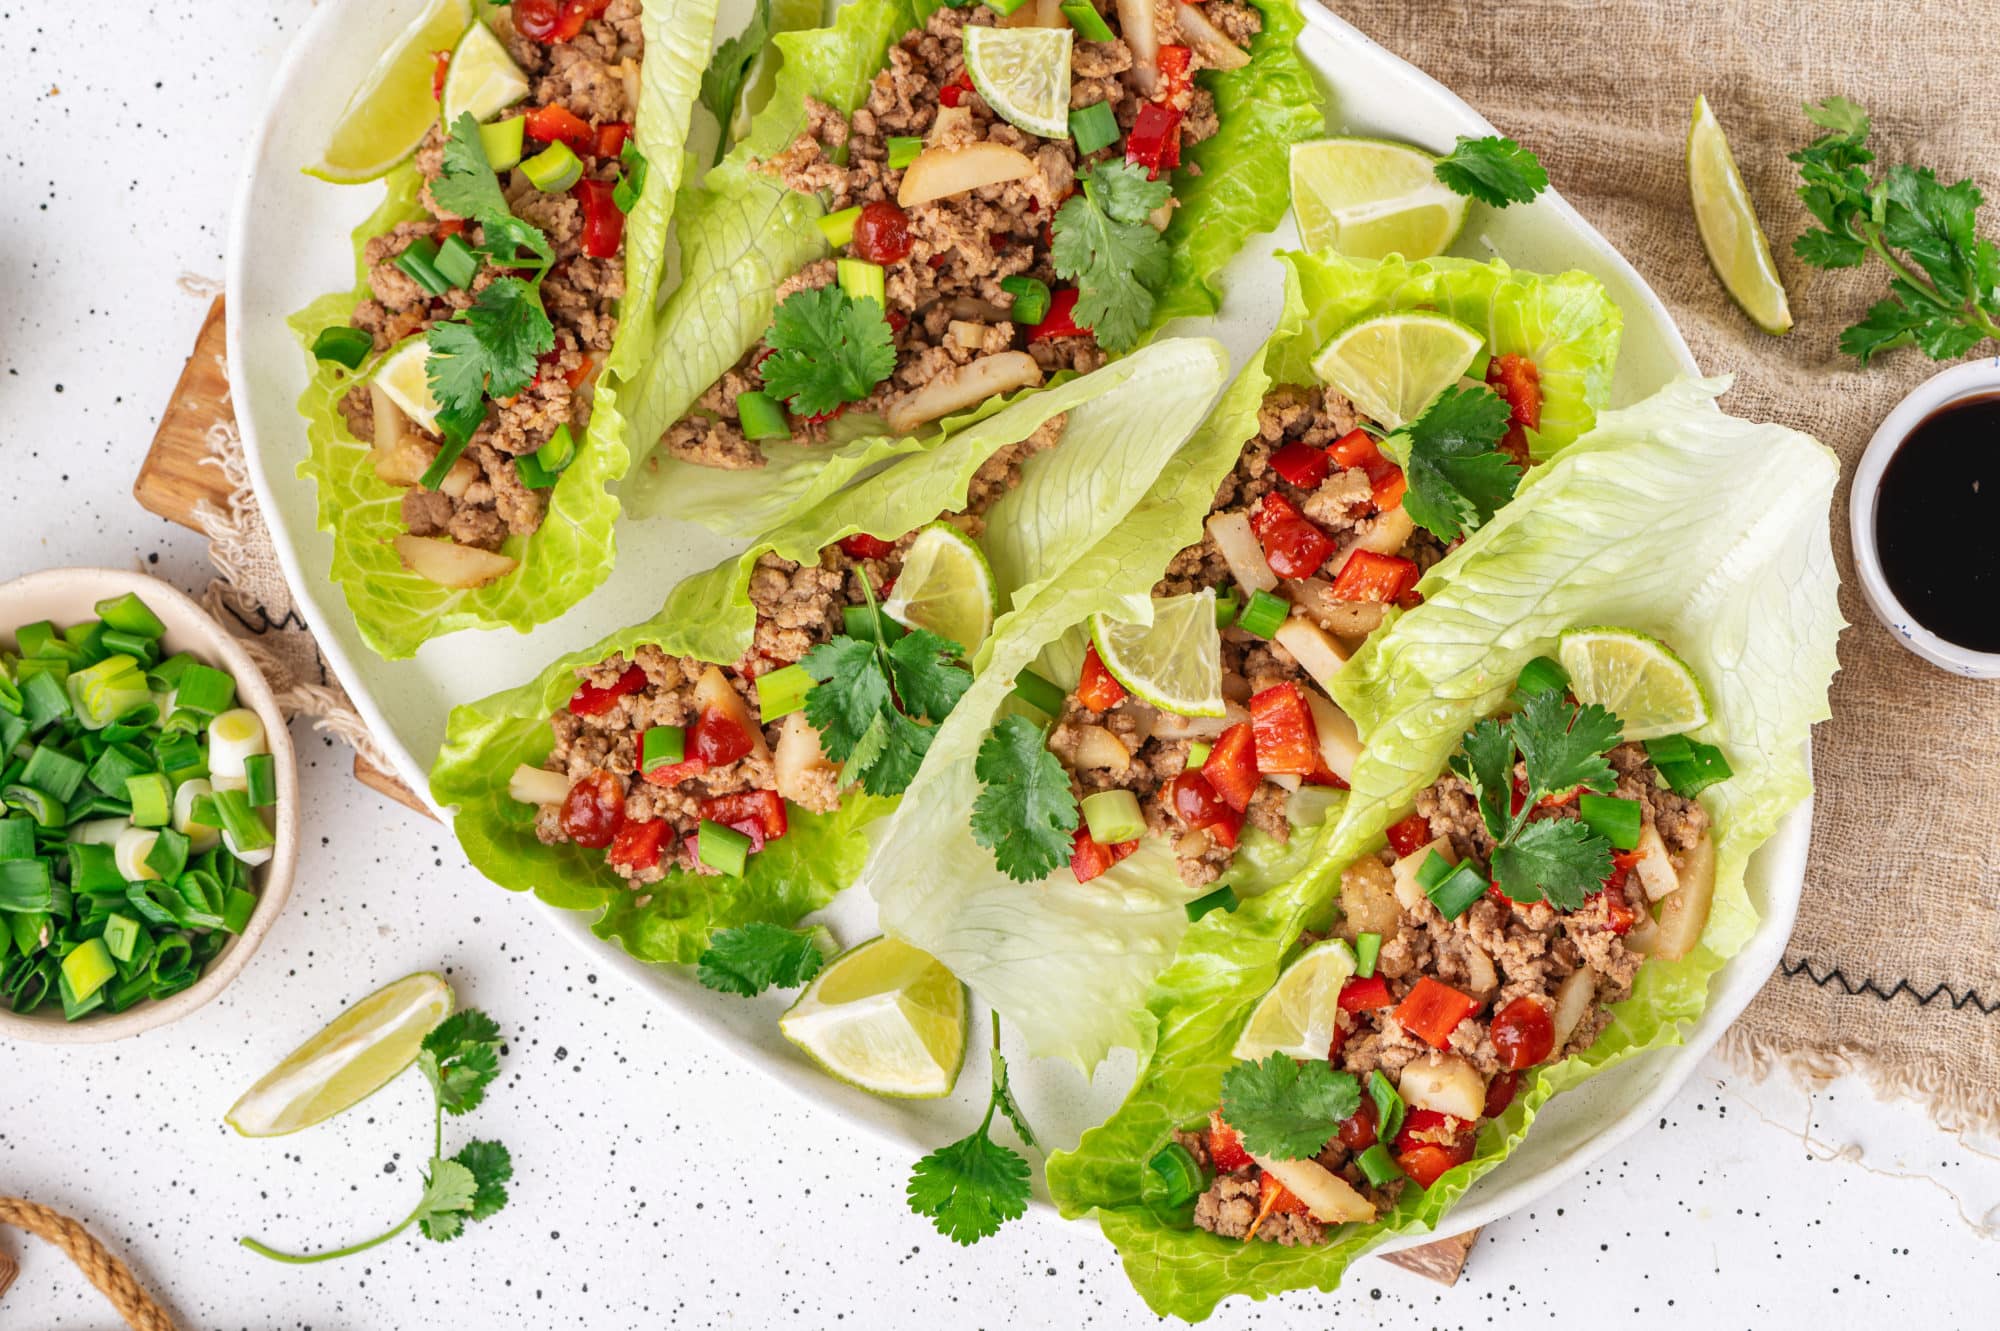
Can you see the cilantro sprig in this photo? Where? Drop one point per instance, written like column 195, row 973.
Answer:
column 1104, row 243
column 877, row 704
column 1458, row 476
column 973, row 1186
column 1562, row 746
column 1026, row 813
column 1944, row 283
column 828, row 349
column 1494, row 170
column 751, row 958
column 459, row 1059
column 722, row 81
column 1285, row 1109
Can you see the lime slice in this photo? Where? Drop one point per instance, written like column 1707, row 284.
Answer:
column 1637, row 678
column 886, row 1018
column 1736, row 246
column 1393, row 365
column 401, row 376
column 483, row 78
column 353, row 1056
column 1174, row 663
column 1367, row 199
column 1297, row 1016
column 388, row 114
column 1023, row 73
column 946, row 586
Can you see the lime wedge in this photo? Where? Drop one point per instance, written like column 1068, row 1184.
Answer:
column 1297, row 1016
column 1736, row 246
column 401, row 375
column 1023, row 73
column 483, row 79
column 388, row 114
column 1393, row 365
column 1637, row 678
column 946, row 586
column 1366, row 199
column 353, row 1056
column 1174, row 663
column 886, row 1018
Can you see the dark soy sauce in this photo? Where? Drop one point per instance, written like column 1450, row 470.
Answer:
column 1937, row 522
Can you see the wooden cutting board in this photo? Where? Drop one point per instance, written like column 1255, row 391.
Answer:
column 173, row 480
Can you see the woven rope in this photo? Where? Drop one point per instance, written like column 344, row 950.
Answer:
column 103, row 1270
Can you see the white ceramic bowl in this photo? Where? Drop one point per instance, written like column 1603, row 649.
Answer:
column 66, row 596
column 1973, row 379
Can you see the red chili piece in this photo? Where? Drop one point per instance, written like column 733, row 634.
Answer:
column 1294, row 545
column 1365, row 995
column 1301, row 464
column 882, row 233
column 638, row 845
column 593, row 700
column 603, row 223
column 1367, row 576
column 863, row 546
column 1225, row 1147
column 1088, row 858
column 556, row 124
column 1431, row 1011
column 1405, row 837
column 594, row 809
column 440, row 64
column 1283, row 727
column 1155, row 140
column 1097, row 689
column 1231, row 766
column 1060, row 321
column 611, row 136
column 763, row 808
column 1519, row 384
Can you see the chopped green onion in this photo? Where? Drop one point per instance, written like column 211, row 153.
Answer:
column 502, row 141
column 418, row 263
column 532, row 473
column 240, row 823
column 560, row 450
column 44, row 699
column 182, row 722
column 203, row 813
column 39, row 639
column 661, row 746
column 554, row 169
column 152, row 799
column 723, row 849
column 1031, row 299
column 1093, row 127
column 180, row 755
column 10, row 693
column 903, row 149
column 26, row 885
column 1176, row 1166
column 1433, row 871
column 85, row 639
column 455, row 262
column 761, row 416
column 782, row 692
column 39, row 805
column 54, row 771
column 121, row 936
column 237, row 908
column 260, row 774
column 1264, row 613
column 102, row 693
column 631, row 186
column 1089, row 24
column 862, row 280
column 1688, row 766
column 1113, row 817
column 129, row 614
column 1227, row 607
column 1222, row 898
column 1004, row 7
column 166, row 676
column 1198, row 752
column 866, row 622
column 93, row 867
column 17, row 839
column 1539, row 676
column 1367, row 949
column 343, row 345
column 1454, row 893
column 1377, row 1166
column 169, row 854
column 141, row 649
column 1389, row 1107
column 1616, row 820
column 838, row 228
column 87, row 968
column 204, row 689
column 441, row 465
column 115, row 764
column 1038, row 693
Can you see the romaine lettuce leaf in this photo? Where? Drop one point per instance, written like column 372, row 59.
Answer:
column 1669, row 517
column 563, row 561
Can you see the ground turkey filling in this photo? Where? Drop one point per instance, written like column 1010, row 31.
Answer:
column 1536, row 981
column 482, row 499
column 646, row 823
column 945, row 259
column 1309, row 461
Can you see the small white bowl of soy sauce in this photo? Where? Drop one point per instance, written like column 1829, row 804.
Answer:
column 1925, row 517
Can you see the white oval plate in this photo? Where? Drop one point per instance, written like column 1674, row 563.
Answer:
column 288, row 245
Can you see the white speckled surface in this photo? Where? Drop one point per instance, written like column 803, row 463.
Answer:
column 660, row 1182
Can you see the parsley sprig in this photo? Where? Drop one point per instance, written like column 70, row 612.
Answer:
column 973, row 1186
column 1285, row 1109
column 459, row 1059
column 828, row 349
column 1495, row 170
column 1457, row 474
column 751, row 958
column 1026, row 813
column 877, row 704
column 1104, row 243
column 1561, row 747
column 1944, row 285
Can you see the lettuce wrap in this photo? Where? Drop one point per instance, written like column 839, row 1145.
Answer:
column 741, row 234
column 571, row 553
column 1067, row 963
column 1671, row 517
column 1069, row 496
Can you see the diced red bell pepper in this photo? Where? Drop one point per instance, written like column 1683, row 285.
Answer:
column 1088, row 858
column 1060, row 321
column 718, row 740
column 1294, row 545
column 1357, row 448
column 762, row 807
column 1357, row 1133
column 1619, row 913
column 611, row 136
column 1519, row 384
column 1500, row 1093
column 440, row 66
column 1225, row 1146
column 575, row 14
column 577, row 374
column 1367, row 995
column 450, row 226
column 1302, row 464
column 1388, row 489
column 1274, row 1196
column 596, row 700
column 1176, row 67
column 1367, row 576
column 672, row 774
column 603, row 223
column 863, row 546
column 537, row 19
column 1196, row 804
column 1431, row 1011
column 638, row 845
column 594, row 809
column 1286, row 739
column 1626, row 859
column 1412, row 832
column 1523, row 1034
column 555, row 123
column 1430, row 1143
column 953, row 92
column 1336, row 1043
column 1425, row 1165
column 1225, row 831
column 1097, row 689
column 1231, row 766
column 1155, row 140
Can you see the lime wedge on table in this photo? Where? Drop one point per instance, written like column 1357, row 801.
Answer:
column 1365, row 198
column 354, row 1055
column 483, row 79
column 1174, row 663
column 1393, row 365
column 1637, row 678
column 1297, row 1016
column 1736, row 246
column 1023, row 73
column 401, row 375
column 388, row 114
column 946, row 586
column 886, row 1018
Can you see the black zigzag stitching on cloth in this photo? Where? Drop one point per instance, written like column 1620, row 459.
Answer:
column 1970, row 998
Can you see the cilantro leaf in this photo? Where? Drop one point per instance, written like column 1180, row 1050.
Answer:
column 1026, row 813
column 1458, row 476
column 828, row 349
column 1003, row 1090
column 751, row 958
column 927, row 675
column 496, row 350
column 722, row 81
column 1103, row 242
column 904, row 744
column 1286, row 1109
column 970, row 1188
column 467, row 185
column 1495, row 170
column 449, row 1190
column 1487, row 765
column 1839, row 115
column 1564, row 745
column 1555, row 859
column 851, row 693
column 491, row 1167
column 460, row 1057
